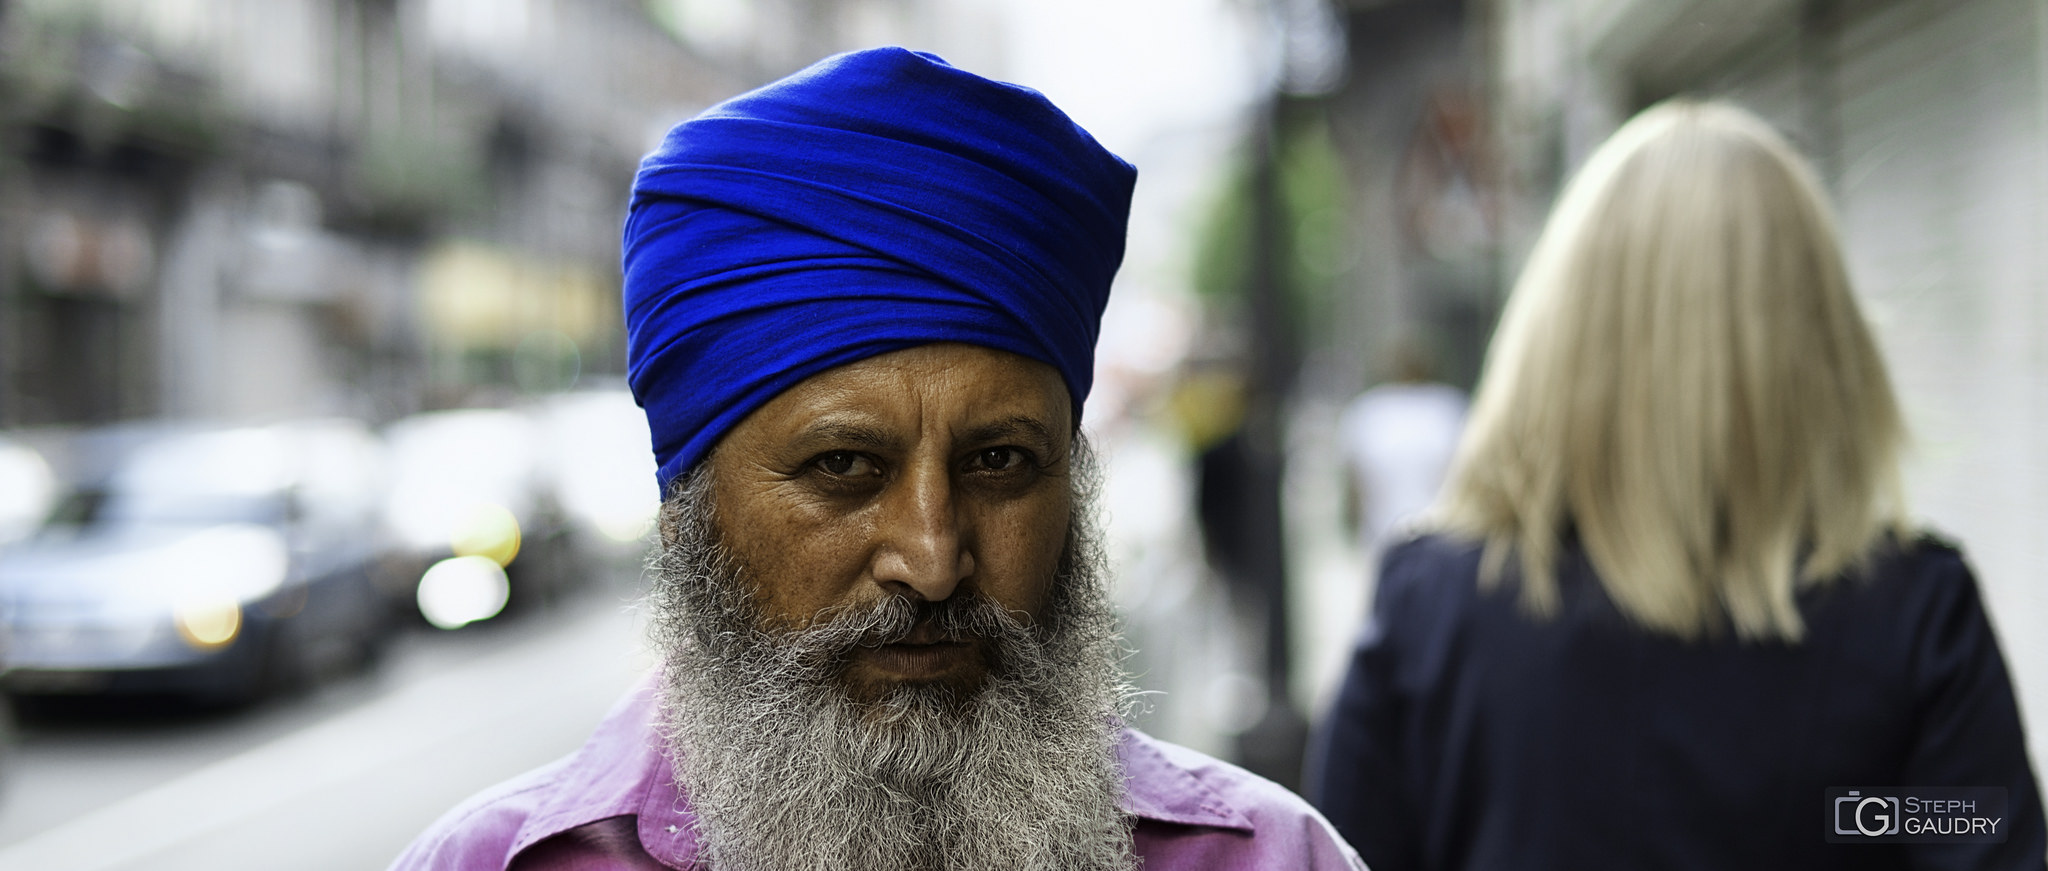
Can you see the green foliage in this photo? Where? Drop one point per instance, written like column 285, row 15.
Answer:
column 1311, row 231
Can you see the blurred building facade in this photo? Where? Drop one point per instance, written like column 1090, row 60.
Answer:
column 1928, row 120
column 236, row 208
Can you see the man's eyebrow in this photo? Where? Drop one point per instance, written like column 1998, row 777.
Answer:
column 842, row 432
column 1031, row 428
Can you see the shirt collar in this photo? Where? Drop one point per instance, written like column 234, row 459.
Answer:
column 1157, row 787
column 624, row 769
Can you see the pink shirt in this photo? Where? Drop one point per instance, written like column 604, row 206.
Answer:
column 614, row 804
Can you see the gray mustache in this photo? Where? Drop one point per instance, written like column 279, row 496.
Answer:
column 966, row 616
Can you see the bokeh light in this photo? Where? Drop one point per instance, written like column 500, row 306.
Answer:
column 209, row 624
column 462, row 590
column 488, row 531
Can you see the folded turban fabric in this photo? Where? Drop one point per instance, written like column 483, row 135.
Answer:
column 876, row 201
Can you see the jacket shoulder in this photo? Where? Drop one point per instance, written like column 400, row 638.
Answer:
column 1427, row 560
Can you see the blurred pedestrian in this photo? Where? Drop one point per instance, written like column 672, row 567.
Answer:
column 1670, row 599
column 1397, row 439
column 862, row 305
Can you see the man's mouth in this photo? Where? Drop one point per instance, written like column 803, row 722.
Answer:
column 909, row 660
column 926, row 652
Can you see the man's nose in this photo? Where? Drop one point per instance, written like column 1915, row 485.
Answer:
column 921, row 546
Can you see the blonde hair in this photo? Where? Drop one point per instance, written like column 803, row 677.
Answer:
column 1683, row 375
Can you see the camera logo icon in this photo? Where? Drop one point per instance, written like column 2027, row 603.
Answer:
column 1867, row 815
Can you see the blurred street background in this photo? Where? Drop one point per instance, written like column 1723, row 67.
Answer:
column 322, row 504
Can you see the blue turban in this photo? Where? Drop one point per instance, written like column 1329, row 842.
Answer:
column 877, row 201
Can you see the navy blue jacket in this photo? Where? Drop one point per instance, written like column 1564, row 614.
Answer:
column 1469, row 735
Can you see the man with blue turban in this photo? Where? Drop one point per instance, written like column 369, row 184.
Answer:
column 862, row 305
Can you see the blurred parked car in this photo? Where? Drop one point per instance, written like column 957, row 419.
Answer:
column 472, row 504
column 213, row 562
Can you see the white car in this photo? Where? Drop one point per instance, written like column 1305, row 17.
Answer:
column 215, row 562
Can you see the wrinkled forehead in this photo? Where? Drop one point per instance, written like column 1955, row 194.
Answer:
column 951, row 391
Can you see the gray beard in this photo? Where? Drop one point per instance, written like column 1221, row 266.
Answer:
column 785, row 771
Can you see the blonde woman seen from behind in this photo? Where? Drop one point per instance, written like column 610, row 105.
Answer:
column 1669, row 598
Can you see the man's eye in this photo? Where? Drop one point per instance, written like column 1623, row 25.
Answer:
column 845, row 464
column 1002, row 459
